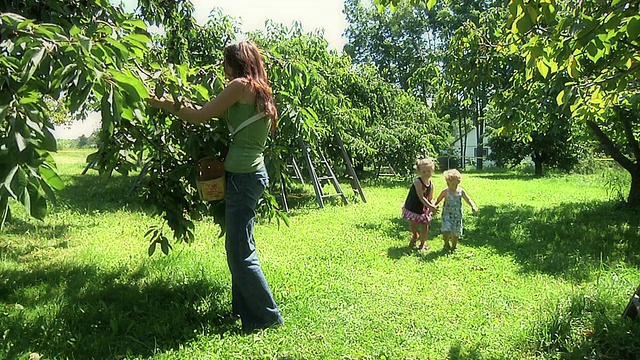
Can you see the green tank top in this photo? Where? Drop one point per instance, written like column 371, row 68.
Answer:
column 247, row 146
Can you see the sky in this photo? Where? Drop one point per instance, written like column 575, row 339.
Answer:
column 312, row 14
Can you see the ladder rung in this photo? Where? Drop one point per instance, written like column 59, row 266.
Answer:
column 326, row 178
column 332, row 195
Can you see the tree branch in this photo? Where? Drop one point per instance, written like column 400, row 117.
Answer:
column 635, row 67
column 610, row 147
column 631, row 45
column 625, row 117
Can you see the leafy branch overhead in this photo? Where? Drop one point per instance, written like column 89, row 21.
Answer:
column 596, row 48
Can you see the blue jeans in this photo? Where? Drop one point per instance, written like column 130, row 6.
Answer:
column 251, row 296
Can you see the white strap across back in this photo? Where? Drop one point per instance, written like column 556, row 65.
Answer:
column 245, row 123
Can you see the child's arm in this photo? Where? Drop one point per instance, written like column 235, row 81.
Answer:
column 466, row 198
column 428, row 200
column 425, row 202
column 441, row 196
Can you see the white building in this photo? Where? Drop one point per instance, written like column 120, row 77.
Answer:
column 472, row 151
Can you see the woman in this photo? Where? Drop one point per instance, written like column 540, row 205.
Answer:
column 247, row 94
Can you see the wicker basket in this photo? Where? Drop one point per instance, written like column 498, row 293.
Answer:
column 211, row 179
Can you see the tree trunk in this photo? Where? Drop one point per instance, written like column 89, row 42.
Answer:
column 479, row 121
column 634, row 192
column 633, row 167
column 538, row 167
column 537, row 164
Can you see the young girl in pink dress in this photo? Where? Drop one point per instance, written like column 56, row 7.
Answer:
column 418, row 207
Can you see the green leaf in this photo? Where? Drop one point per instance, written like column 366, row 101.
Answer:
column 431, row 4
column 25, row 200
column 138, row 40
column 542, row 68
column 37, row 205
column 152, row 248
column 633, row 28
column 158, row 91
column 164, row 245
column 573, row 67
column 34, row 57
column 132, row 85
column 592, row 51
column 50, row 31
column 30, row 98
column 523, row 24
column 135, row 23
column 75, row 30
column 20, row 142
column 105, row 108
column 119, row 48
column 25, row 24
column 85, row 42
column 4, row 110
column 9, row 181
column 48, row 141
column 151, row 230
column 78, row 98
column 560, row 97
column 47, row 190
column 5, row 211
column 51, row 177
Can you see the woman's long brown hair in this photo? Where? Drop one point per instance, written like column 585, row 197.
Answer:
column 245, row 61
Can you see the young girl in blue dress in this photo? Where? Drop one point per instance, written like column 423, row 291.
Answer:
column 452, row 209
column 418, row 206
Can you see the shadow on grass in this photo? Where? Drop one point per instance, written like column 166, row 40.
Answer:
column 399, row 230
column 82, row 194
column 457, row 352
column 388, row 181
column 91, row 192
column 499, row 176
column 17, row 226
column 569, row 239
column 424, row 255
column 302, row 196
column 83, row 313
column 404, row 181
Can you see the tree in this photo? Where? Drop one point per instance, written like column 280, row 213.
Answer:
column 473, row 70
column 398, row 43
column 596, row 45
column 82, row 141
column 75, row 62
column 531, row 124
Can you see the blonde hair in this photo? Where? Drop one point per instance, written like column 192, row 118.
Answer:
column 424, row 162
column 452, row 174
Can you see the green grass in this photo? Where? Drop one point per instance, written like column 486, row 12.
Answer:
column 543, row 272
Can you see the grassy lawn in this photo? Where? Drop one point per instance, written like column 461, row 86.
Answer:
column 543, row 272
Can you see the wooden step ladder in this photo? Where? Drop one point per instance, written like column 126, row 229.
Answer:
column 297, row 174
column 386, row 170
column 327, row 175
column 353, row 177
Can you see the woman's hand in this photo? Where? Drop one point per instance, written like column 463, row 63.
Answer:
column 161, row 103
